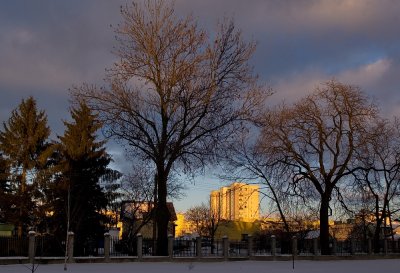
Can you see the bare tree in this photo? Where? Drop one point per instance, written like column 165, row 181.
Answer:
column 380, row 176
column 176, row 94
column 198, row 217
column 205, row 220
column 316, row 139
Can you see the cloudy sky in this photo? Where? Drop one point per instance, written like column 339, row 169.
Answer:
column 46, row 46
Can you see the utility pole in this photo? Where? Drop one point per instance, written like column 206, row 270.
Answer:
column 68, row 216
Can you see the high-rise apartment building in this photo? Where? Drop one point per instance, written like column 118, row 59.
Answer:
column 238, row 201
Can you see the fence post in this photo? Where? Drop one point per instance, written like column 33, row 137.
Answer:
column 70, row 247
column 385, row 246
column 398, row 245
column 273, row 245
column 170, row 246
column 250, row 245
column 107, row 247
column 369, row 246
column 225, row 243
column 139, row 246
column 352, row 246
column 334, row 246
column 198, row 246
column 294, row 246
column 315, row 246
column 31, row 247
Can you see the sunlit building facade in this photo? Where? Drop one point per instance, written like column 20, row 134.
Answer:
column 236, row 202
column 183, row 227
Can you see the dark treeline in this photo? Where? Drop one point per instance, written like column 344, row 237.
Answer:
column 42, row 180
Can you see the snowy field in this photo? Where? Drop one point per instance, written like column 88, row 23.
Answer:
column 364, row 266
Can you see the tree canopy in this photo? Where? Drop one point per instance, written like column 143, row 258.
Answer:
column 84, row 162
column 176, row 94
column 316, row 139
column 23, row 142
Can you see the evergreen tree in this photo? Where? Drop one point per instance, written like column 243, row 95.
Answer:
column 5, row 189
column 23, row 143
column 84, row 162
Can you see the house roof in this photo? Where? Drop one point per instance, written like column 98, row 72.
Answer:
column 312, row 234
column 172, row 211
column 396, row 236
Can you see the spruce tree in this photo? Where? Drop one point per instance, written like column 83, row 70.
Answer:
column 84, row 161
column 23, row 142
column 5, row 189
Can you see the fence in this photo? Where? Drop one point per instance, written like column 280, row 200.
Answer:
column 49, row 246
column 13, row 246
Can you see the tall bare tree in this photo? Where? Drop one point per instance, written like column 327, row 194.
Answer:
column 316, row 139
column 380, row 176
column 176, row 93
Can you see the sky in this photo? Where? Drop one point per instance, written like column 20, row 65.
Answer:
column 48, row 46
column 365, row 266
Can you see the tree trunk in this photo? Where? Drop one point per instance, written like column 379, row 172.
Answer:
column 212, row 235
column 22, row 205
column 390, row 222
column 378, row 223
column 324, row 225
column 162, row 216
column 377, row 234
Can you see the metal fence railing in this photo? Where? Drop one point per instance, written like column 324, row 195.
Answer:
column 212, row 249
column 309, row 247
column 306, row 247
column 262, row 246
column 393, row 246
column 184, row 248
column 51, row 246
column 13, row 246
column 121, row 248
column 238, row 248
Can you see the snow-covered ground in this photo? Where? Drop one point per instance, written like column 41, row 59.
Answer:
column 364, row 266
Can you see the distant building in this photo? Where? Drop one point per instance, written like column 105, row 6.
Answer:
column 236, row 202
column 183, row 227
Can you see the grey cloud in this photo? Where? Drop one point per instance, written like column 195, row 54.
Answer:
column 48, row 45
column 300, row 34
column 60, row 44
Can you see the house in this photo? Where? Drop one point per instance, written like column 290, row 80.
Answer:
column 137, row 217
column 6, row 230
